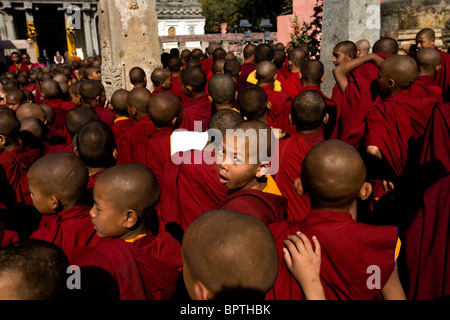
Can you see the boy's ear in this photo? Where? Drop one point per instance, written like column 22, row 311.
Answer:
column 262, row 170
column 298, row 186
column 3, row 140
column 236, row 95
column 300, row 75
column 201, row 292
column 323, row 78
column 210, row 99
column 438, row 68
column 174, row 121
column 290, row 118
column 269, row 105
column 115, row 153
column 366, row 191
column 326, row 119
column 131, row 219
column 54, row 202
column 75, row 151
column 391, row 83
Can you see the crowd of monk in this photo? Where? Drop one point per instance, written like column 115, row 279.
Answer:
column 357, row 209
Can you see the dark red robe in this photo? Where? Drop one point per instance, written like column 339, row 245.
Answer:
column 105, row 115
column 292, row 153
column 292, row 84
column 120, row 126
column 139, row 275
column 267, row 207
column 71, row 228
column 7, row 237
column 199, row 110
column 427, row 245
column 424, row 87
column 189, row 189
column 349, row 249
column 132, row 146
column 158, row 151
column 27, row 155
column 61, row 108
column 279, row 102
column 246, row 69
column 443, row 76
column 64, row 147
column 207, row 64
column 357, row 100
column 17, row 177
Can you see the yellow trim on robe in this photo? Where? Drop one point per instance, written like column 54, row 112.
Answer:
column 121, row 118
column 271, row 186
column 397, row 248
column 252, row 79
column 137, row 238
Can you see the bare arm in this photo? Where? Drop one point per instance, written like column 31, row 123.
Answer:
column 393, row 289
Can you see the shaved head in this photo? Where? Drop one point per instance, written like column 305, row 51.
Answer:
column 333, row 174
column 348, row 48
column 194, row 77
column 308, row 110
column 119, row 102
column 363, row 47
column 425, row 38
column 160, row 75
column 130, row 186
column 297, row 57
column 428, row 33
column 9, row 124
column 163, row 108
column 139, row 98
column 386, row 46
column 62, row 174
column 391, row 33
column 232, row 67
column 312, row 72
column 78, row 118
column 34, row 126
column 427, row 60
column 50, row 88
column 402, row 69
column 31, row 110
column 218, row 66
column 95, row 145
column 224, row 119
column 137, row 75
column 266, row 72
column 51, row 114
column 222, row 90
column 264, row 138
column 90, row 90
column 253, row 102
column 263, row 52
column 219, row 250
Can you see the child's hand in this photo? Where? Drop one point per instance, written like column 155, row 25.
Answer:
column 304, row 264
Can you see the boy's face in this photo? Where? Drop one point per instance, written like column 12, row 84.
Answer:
column 107, row 219
column 339, row 57
column 167, row 84
column 96, row 75
column 41, row 201
column 13, row 102
column 26, row 58
column 76, row 99
column 238, row 170
column 424, row 42
column 15, row 58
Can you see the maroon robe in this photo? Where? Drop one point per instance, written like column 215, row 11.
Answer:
column 27, row 155
column 189, row 189
column 292, row 85
column 246, row 69
column 357, row 99
column 279, row 102
column 64, row 147
column 349, row 249
column 424, row 87
column 443, row 76
column 105, row 115
column 139, row 275
column 71, row 228
column 158, row 151
column 20, row 67
column 207, row 64
column 292, row 153
column 132, row 146
column 17, row 177
column 120, row 126
column 7, row 237
column 158, row 90
column 336, row 96
column 267, row 207
column 61, row 108
column 198, row 110
column 427, row 245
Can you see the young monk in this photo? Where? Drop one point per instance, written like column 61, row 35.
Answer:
column 233, row 68
column 138, row 78
column 222, row 92
column 253, row 103
column 15, row 99
column 132, row 146
column 96, row 147
column 166, row 113
column 119, row 107
column 161, row 79
column 93, row 94
column 57, row 183
column 263, row 52
column 363, row 47
column 309, row 114
column 426, row 38
column 312, row 76
column 212, row 260
column 175, row 66
column 179, row 206
column 247, row 67
column 143, row 265
column 266, row 73
column 243, row 172
column 193, row 84
column 33, row 270
column 333, row 175
column 429, row 63
column 292, row 85
column 74, row 92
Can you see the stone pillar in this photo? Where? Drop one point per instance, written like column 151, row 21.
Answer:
column 128, row 38
column 346, row 20
column 32, row 34
column 87, row 33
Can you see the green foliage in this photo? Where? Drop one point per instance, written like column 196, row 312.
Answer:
column 309, row 33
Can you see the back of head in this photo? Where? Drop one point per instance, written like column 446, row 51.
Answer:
column 427, row 33
column 253, row 102
column 32, row 126
column 174, row 64
column 212, row 47
column 348, row 48
column 137, row 75
column 297, row 57
column 249, row 51
column 185, row 55
column 279, row 57
column 61, row 174
column 386, row 46
column 163, row 108
column 308, row 110
column 50, row 88
column 119, row 102
column 222, row 90
column 223, row 120
column 219, row 250
column 193, row 63
column 232, row 67
column 31, row 110
column 219, row 53
column 90, row 90
column 197, row 54
column 96, row 144
column 194, row 77
column 391, row 33
column 403, row 69
column 218, row 66
column 159, row 75
column 130, row 186
column 263, row 52
column 9, row 124
column 175, row 52
column 428, row 59
column 332, row 174
column 266, row 72
column 33, row 270
column 51, row 114
column 312, row 72
column 139, row 98
column 78, row 118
